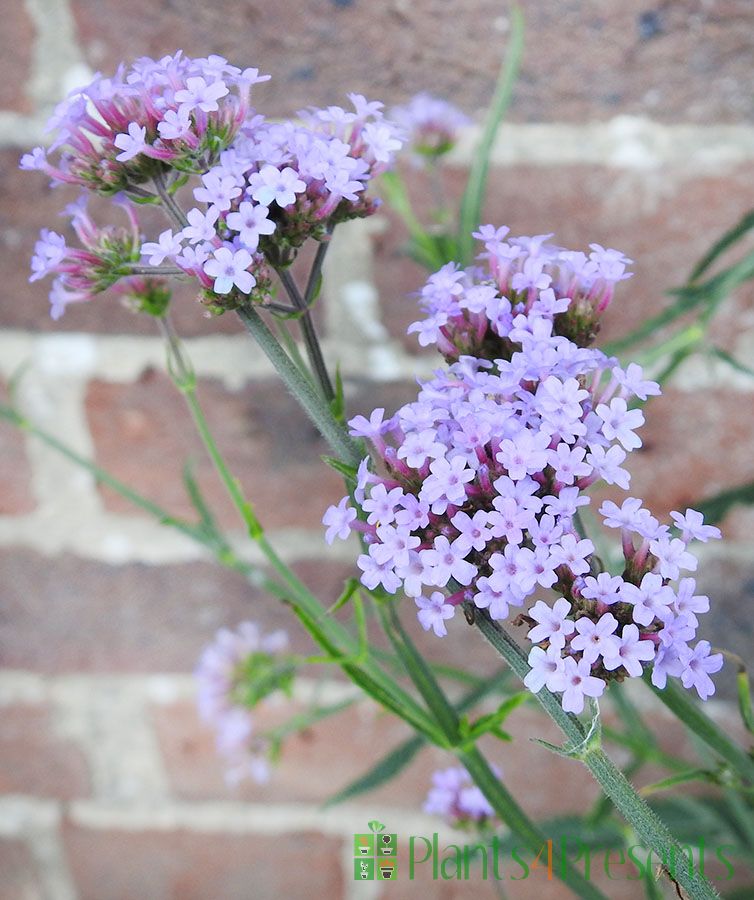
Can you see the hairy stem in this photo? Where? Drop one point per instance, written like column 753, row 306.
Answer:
column 582, row 746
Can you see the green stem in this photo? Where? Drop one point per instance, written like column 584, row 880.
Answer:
column 632, row 807
column 683, row 706
column 311, row 341
column 496, row 793
column 302, row 389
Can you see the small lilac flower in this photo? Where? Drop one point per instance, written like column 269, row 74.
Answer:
column 596, row 639
column 698, row 665
column 175, row 124
column 620, row 422
column 229, row 269
column 650, row 600
column 573, row 553
column 630, row 652
column 692, row 527
column 433, row 612
column 376, row 573
column 554, row 625
column 131, row 144
column 272, row 185
column 525, row 454
column 250, row 222
column 687, row 604
column 455, row 797
column 338, row 521
column 201, row 225
column 576, row 682
column 49, row 252
column 199, row 95
column 546, row 666
column 605, row 588
column 607, row 464
column 474, row 531
column 445, row 561
column 167, row 246
column 381, row 504
column 446, row 484
column 672, row 556
column 217, row 190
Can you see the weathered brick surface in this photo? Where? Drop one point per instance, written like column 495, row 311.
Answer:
column 681, row 60
column 119, row 865
column 16, row 495
column 18, row 873
column 35, row 760
column 69, row 615
column 143, row 433
column 664, row 220
column 16, row 40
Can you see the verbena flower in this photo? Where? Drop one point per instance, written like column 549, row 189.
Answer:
column 175, row 112
column 479, row 481
column 456, row 798
column 234, row 673
column 102, row 261
column 265, row 188
column 527, row 287
column 430, row 124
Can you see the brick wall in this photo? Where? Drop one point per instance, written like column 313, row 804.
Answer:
column 631, row 127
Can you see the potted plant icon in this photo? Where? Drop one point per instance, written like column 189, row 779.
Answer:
column 387, row 869
column 388, row 845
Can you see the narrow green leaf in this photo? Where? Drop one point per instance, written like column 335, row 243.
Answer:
column 730, row 237
column 681, row 778
column 731, row 361
column 744, row 698
column 678, row 702
column 349, row 472
column 491, row 721
column 714, row 509
column 303, row 720
column 398, row 758
column 473, row 196
column 386, row 769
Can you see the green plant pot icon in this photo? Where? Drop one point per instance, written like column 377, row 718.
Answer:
column 386, row 872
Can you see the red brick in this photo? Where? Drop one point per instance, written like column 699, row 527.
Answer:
column 16, row 495
column 681, row 61
column 70, row 615
column 34, row 760
column 143, row 434
column 16, row 41
column 19, row 873
column 663, row 220
column 154, row 865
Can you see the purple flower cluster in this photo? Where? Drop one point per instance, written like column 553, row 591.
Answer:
column 456, row 798
column 472, row 492
column 279, row 184
column 430, row 125
column 225, row 676
column 101, row 262
column 265, row 187
column 118, row 132
column 471, row 312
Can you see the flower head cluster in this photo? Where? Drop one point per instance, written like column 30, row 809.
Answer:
column 234, row 673
column 472, row 312
column 456, row 798
column 265, row 187
column 471, row 495
column 102, row 261
column 279, row 184
column 118, row 132
column 430, row 124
